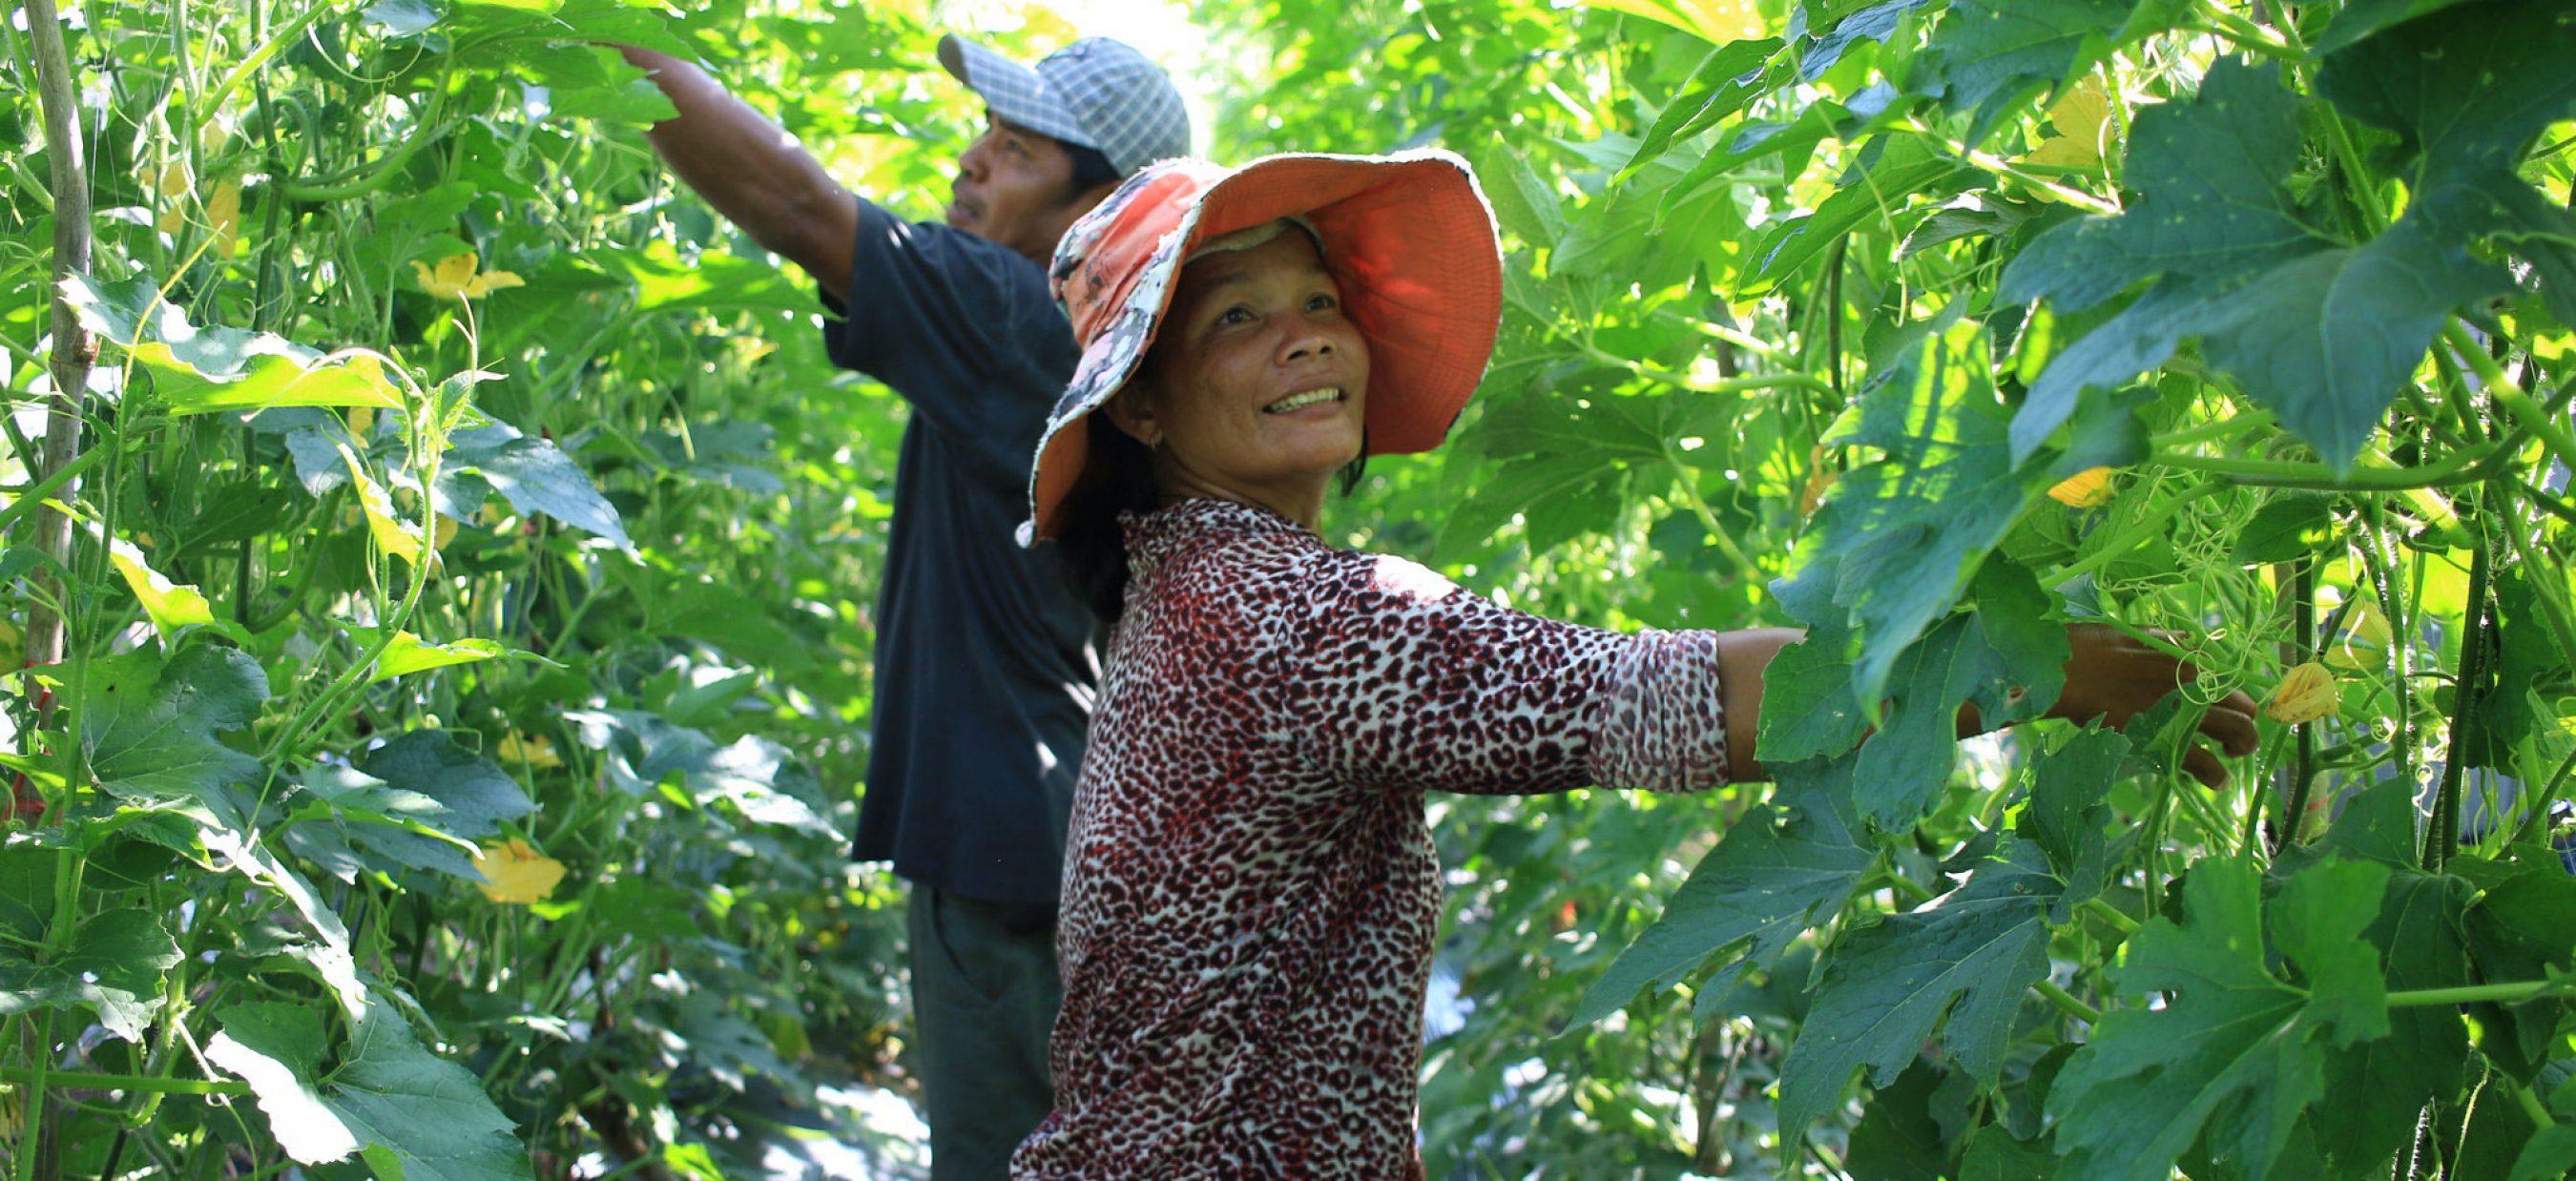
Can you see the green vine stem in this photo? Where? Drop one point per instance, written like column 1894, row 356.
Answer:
column 2151, row 525
column 2442, row 836
column 2118, row 919
column 77, row 1080
column 2066, row 1002
column 28, row 498
column 2303, row 762
column 2513, row 992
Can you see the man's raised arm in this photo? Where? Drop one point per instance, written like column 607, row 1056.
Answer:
column 753, row 172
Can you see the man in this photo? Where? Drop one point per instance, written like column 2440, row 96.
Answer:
column 984, row 662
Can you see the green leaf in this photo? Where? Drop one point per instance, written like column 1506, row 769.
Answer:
column 1906, row 763
column 1990, row 52
column 1960, row 963
column 475, row 798
column 1717, row 22
column 410, row 654
column 2522, row 927
column 2317, row 920
column 1897, row 1138
column 2361, row 18
column 2284, row 529
column 169, row 605
column 2419, row 935
column 2070, row 790
column 1521, row 199
column 2232, row 1052
column 753, row 775
column 413, row 1115
column 1894, row 543
column 400, row 18
column 1877, row 190
column 1873, row 23
column 536, row 477
column 2323, row 334
column 199, row 370
column 2549, row 1156
column 1778, row 868
column 1731, row 76
column 113, row 966
column 1807, row 705
column 2530, row 672
column 149, row 728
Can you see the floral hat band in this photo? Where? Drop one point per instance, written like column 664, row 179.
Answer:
column 1409, row 237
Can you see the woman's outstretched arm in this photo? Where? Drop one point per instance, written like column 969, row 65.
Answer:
column 2109, row 676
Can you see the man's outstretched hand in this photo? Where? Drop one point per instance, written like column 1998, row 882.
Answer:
column 2112, row 676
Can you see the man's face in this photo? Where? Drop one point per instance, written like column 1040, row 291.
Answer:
column 1011, row 190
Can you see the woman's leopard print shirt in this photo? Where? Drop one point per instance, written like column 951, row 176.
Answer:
column 1251, row 889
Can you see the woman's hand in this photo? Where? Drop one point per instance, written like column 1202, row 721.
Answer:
column 2112, row 676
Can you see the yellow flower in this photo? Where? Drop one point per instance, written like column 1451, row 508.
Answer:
column 455, row 278
column 2084, row 489
column 174, row 184
column 2306, row 693
column 536, row 751
column 223, row 212
column 515, row 873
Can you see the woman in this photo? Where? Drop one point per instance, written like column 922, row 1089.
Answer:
column 1251, row 891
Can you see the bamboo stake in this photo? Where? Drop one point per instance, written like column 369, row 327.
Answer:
column 74, row 352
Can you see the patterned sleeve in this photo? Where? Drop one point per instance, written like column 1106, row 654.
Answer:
column 1404, row 681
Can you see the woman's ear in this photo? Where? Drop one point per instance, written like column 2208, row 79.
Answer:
column 1132, row 410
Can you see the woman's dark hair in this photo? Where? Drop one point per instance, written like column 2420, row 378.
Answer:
column 1092, row 544
column 1091, row 169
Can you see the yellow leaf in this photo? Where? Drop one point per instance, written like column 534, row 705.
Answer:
column 170, row 605
column 515, row 873
column 2305, row 694
column 455, row 278
column 2084, row 489
column 13, row 646
column 537, row 751
column 393, row 535
column 2082, row 119
column 361, row 418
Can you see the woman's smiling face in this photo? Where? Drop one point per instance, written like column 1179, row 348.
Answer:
column 1256, row 388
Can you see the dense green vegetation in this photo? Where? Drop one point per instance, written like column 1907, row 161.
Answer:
column 396, row 586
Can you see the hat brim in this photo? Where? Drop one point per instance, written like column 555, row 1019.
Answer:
column 1015, row 93
column 1410, row 239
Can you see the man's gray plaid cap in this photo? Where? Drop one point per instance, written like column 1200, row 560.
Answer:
column 1096, row 92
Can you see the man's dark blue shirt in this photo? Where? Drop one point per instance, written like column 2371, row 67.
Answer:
column 985, row 660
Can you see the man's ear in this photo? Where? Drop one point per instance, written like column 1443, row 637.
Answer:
column 1132, row 411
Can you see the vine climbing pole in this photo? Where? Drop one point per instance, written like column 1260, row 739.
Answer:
column 74, row 352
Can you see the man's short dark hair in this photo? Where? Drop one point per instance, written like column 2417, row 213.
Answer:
column 1091, row 169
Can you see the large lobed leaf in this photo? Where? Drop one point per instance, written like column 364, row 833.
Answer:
column 2321, row 332
column 149, row 728
column 1778, row 869
column 113, row 966
column 2233, row 1054
column 411, row 1115
column 1959, row 963
column 198, row 370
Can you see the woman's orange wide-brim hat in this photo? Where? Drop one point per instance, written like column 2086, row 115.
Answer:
column 1409, row 238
